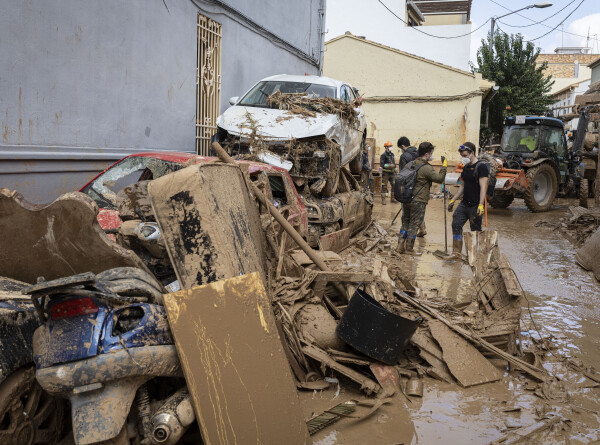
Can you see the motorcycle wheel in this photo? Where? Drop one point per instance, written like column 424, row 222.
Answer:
column 28, row 414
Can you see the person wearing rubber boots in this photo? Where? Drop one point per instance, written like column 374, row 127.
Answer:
column 409, row 154
column 414, row 212
column 472, row 190
column 387, row 162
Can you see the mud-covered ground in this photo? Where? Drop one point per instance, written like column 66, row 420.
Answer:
column 565, row 305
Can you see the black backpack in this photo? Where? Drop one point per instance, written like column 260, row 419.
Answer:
column 404, row 186
column 491, row 177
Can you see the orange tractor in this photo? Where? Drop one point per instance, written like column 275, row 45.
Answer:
column 532, row 163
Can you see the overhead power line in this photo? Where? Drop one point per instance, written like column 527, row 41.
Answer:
column 531, row 20
column 563, row 21
column 416, row 28
column 539, row 22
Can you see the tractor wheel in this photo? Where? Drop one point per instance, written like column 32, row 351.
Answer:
column 333, row 174
column 543, row 185
column 28, row 414
column 356, row 163
column 584, row 193
column 501, row 201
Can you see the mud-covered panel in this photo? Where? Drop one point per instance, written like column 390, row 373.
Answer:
column 234, row 363
column 18, row 321
column 56, row 240
column 211, row 225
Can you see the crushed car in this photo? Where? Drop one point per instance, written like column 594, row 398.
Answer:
column 309, row 125
column 311, row 216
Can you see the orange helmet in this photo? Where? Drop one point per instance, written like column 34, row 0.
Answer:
column 387, row 144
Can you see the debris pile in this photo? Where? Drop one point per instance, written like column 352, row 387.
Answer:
column 308, row 105
column 579, row 224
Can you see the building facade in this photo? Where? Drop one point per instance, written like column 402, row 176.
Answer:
column 408, row 95
column 85, row 83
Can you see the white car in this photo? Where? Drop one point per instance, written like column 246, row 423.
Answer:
column 300, row 143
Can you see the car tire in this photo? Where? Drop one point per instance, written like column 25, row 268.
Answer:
column 500, row 201
column 542, row 189
column 333, row 174
column 584, row 193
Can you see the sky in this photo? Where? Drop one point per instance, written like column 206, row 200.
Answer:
column 586, row 17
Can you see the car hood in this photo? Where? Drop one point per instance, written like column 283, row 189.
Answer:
column 276, row 124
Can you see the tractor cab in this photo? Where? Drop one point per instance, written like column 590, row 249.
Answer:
column 529, row 138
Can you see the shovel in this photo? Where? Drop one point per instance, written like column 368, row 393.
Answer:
column 438, row 253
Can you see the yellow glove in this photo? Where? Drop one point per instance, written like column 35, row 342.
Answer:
column 480, row 210
column 444, row 161
column 451, row 205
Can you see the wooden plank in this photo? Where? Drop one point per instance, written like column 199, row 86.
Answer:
column 368, row 385
column 511, row 283
column 234, row 363
column 432, row 354
column 210, row 224
column 344, row 277
column 335, row 241
column 464, row 361
column 303, row 260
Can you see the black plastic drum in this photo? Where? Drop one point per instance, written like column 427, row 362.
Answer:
column 373, row 330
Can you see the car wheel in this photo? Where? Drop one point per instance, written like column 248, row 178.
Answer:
column 28, row 414
column 541, row 192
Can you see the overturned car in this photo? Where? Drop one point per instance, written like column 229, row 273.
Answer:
column 309, row 125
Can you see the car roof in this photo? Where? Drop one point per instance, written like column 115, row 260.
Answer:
column 319, row 80
column 538, row 120
column 182, row 158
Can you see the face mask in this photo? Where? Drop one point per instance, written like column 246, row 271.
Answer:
column 466, row 161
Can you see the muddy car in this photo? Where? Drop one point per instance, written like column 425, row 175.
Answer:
column 309, row 125
column 148, row 166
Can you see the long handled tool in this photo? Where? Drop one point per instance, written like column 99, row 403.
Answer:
column 439, row 253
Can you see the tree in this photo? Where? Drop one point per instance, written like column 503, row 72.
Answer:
column 523, row 87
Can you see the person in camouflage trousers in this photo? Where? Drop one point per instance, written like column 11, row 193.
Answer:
column 414, row 211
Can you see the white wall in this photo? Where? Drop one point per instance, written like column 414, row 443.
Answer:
column 378, row 24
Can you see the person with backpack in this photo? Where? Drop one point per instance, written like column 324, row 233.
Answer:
column 387, row 162
column 409, row 153
column 473, row 188
column 414, row 184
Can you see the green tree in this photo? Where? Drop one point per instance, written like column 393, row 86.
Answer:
column 523, row 87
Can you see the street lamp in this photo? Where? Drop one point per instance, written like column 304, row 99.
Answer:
column 535, row 5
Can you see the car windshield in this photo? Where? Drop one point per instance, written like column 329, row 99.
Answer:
column 105, row 187
column 521, row 138
column 257, row 96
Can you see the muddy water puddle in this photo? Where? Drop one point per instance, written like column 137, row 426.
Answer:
column 565, row 303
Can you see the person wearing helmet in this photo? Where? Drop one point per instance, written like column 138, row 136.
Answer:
column 473, row 188
column 387, row 162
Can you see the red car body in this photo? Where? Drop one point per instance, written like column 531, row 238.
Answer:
column 295, row 210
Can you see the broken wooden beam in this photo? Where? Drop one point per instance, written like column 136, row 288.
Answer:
column 537, row 373
column 368, row 385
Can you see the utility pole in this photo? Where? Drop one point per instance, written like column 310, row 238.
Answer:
column 536, row 5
